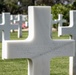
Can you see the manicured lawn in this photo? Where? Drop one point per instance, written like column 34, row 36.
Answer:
column 59, row 65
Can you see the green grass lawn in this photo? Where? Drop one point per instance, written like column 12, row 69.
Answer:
column 59, row 65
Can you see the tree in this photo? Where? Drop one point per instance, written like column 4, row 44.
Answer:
column 17, row 6
column 2, row 6
column 11, row 5
column 61, row 9
column 74, row 5
column 33, row 2
column 53, row 2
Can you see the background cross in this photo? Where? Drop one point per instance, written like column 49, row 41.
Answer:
column 6, row 26
column 19, row 20
column 71, row 30
column 60, row 20
column 20, row 25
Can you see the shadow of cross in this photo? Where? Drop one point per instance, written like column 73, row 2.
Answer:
column 39, row 48
column 71, row 29
column 6, row 26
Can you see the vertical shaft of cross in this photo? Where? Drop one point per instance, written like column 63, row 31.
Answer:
column 6, row 26
column 20, row 26
column 34, row 66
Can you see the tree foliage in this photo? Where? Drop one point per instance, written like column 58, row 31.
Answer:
column 61, row 9
column 15, row 6
column 20, row 6
column 74, row 5
column 52, row 2
column 11, row 5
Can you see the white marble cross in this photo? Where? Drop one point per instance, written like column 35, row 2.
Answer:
column 24, row 18
column 39, row 47
column 12, row 19
column 5, row 27
column 20, row 26
column 60, row 20
column 18, row 19
column 71, row 29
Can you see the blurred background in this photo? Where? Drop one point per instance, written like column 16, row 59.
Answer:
column 20, row 6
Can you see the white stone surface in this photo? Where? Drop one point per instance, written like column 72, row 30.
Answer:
column 20, row 26
column 13, row 19
column 71, row 29
column 39, row 48
column 24, row 18
column 61, row 21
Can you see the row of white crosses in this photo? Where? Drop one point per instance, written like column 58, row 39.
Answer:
column 39, row 47
column 18, row 19
column 71, row 29
column 6, row 25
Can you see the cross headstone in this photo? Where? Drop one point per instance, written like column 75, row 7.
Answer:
column 24, row 19
column 18, row 20
column 71, row 29
column 11, row 18
column 5, row 27
column 20, row 26
column 39, row 47
column 13, row 22
column 60, row 20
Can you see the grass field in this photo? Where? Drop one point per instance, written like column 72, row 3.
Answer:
column 59, row 65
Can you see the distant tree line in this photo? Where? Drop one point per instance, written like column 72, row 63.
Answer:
column 15, row 6
column 20, row 6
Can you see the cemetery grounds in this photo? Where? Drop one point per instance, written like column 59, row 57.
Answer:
column 59, row 65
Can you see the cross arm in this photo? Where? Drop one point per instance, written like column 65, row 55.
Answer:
column 63, row 48
column 25, row 49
